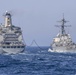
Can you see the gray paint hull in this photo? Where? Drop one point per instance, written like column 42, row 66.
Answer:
column 62, row 50
column 13, row 50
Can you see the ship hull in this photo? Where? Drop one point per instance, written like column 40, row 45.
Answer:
column 62, row 50
column 1, row 51
column 13, row 50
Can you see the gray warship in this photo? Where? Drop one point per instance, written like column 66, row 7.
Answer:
column 11, row 40
column 63, row 41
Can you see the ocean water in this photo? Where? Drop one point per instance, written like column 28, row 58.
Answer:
column 38, row 61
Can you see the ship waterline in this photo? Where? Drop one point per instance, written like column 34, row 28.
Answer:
column 62, row 50
column 13, row 50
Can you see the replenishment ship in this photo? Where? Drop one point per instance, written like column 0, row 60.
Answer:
column 11, row 40
column 63, row 41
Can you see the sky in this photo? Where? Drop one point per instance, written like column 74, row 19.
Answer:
column 37, row 18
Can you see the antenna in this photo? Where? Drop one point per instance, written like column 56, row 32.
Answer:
column 63, row 15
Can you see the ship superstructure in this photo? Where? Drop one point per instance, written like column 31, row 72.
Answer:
column 63, row 42
column 11, row 40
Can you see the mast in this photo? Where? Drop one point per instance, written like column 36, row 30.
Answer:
column 63, row 21
column 62, row 26
column 8, row 20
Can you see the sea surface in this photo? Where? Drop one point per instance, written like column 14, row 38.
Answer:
column 38, row 61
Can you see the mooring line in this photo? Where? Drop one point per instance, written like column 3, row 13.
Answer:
column 36, row 45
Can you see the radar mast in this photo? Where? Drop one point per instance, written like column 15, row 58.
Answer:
column 63, row 21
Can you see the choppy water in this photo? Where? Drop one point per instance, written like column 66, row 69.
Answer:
column 36, row 61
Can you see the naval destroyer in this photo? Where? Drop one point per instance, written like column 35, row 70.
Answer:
column 63, row 41
column 11, row 40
